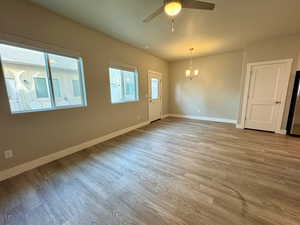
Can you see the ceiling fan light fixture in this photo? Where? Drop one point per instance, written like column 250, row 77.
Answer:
column 173, row 8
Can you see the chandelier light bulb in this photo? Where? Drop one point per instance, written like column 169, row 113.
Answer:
column 196, row 72
column 191, row 72
column 188, row 73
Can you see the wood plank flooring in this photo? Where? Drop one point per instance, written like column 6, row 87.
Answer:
column 172, row 172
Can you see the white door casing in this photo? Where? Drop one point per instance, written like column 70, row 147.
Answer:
column 265, row 95
column 154, row 95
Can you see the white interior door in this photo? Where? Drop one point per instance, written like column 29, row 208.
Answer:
column 155, row 96
column 266, row 95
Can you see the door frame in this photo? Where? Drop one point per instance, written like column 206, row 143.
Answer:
column 160, row 91
column 289, row 63
column 293, row 105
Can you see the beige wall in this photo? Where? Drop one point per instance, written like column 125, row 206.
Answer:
column 38, row 134
column 274, row 49
column 215, row 93
column 199, row 98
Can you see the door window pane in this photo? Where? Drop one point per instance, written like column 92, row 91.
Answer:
column 154, row 88
column 66, row 70
column 123, row 85
column 20, row 67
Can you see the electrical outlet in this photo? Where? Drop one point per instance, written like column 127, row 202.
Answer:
column 8, row 154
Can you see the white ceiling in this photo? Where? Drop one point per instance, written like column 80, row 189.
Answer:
column 233, row 24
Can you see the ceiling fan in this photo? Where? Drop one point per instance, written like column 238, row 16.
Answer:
column 173, row 7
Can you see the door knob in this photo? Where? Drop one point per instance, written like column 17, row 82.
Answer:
column 278, row 102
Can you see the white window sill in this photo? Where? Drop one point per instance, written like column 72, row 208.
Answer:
column 114, row 103
column 48, row 109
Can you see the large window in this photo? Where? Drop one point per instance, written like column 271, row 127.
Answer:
column 123, row 84
column 38, row 80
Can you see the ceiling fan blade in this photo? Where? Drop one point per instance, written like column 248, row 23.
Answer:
column 153, row 15
column 194, row 4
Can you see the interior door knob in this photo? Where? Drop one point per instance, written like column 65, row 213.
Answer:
column 278, row 102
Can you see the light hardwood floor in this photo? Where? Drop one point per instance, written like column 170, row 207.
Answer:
column 172, row 172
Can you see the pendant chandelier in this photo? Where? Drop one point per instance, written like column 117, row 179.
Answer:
column 191, row 72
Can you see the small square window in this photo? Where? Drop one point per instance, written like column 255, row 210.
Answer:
column 123, row 84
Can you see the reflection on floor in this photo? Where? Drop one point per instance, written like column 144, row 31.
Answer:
column 296, row 129
column 172, row 172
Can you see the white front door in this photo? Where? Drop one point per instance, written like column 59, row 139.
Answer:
column 266, row 95
column 155, row 96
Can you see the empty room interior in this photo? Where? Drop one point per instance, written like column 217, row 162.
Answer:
column 139, row 112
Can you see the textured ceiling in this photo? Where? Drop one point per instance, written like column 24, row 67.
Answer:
column 232, row 25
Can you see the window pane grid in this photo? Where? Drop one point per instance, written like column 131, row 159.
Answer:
column 39, row 81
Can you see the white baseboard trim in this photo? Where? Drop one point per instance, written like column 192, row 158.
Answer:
column 8, row 173
column 239, row 126
column 165, row 116
column 284, row 132
column 213, row 119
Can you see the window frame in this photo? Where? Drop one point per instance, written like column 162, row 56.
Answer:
column 136, row 81
column 49, row 78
